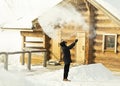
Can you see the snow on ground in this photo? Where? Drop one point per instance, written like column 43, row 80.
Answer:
column 83, row 75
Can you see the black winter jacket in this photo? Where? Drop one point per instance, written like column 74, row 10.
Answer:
column 66, row 52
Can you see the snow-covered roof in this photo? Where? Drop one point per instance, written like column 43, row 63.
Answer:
column 111, row 6
column 20, row 13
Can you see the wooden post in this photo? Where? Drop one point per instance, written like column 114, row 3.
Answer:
column 23, row 58
column 89, row 43
column 29, row 61
column 23, row 54
column 45, row 59
column 6, row 61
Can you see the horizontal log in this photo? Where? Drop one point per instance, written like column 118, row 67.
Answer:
column 103, row 21
column 102, row 17
column 107, row 54
column 32, row 34
column 107, row 32
column 97, row 48
column 33, row 43
column 107, row 25
column 97, row 40
column 99, row 12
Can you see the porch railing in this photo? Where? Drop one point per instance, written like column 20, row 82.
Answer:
column 29, row 52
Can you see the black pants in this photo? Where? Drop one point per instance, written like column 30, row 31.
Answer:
column 66, row 70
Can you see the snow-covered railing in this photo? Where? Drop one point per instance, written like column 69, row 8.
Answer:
column 23, row 61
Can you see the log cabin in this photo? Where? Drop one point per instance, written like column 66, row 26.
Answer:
column 99, row 44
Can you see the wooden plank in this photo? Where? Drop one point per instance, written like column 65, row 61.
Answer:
column 32, row 34
column 34, row 47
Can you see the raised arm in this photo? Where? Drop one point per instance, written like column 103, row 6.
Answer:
column 73, row 44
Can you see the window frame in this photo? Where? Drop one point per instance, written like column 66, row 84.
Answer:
column 103, row 43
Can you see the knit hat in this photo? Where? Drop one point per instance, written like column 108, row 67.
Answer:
column 63, row 43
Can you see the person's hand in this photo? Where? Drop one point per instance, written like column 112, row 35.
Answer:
column 76, row 40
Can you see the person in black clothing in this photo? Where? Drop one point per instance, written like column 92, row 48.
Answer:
column 67, row 57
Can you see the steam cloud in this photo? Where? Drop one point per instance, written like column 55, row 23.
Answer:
column 55, row 19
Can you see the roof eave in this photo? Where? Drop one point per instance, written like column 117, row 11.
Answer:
column 98, row 6
column 17, row 29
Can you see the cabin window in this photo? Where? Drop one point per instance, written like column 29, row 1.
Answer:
column 109, row 42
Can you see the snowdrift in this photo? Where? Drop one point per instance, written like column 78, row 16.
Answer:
column 84, row 75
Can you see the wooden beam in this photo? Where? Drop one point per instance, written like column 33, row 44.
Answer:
column 17, row 29
column 32, row 34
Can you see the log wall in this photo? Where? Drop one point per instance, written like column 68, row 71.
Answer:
column 104, row 25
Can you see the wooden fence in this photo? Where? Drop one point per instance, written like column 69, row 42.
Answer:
column 29, row 52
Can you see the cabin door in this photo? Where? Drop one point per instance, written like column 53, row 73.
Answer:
column 80, row 48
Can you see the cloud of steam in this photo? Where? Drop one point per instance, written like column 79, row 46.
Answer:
column 55, row 19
